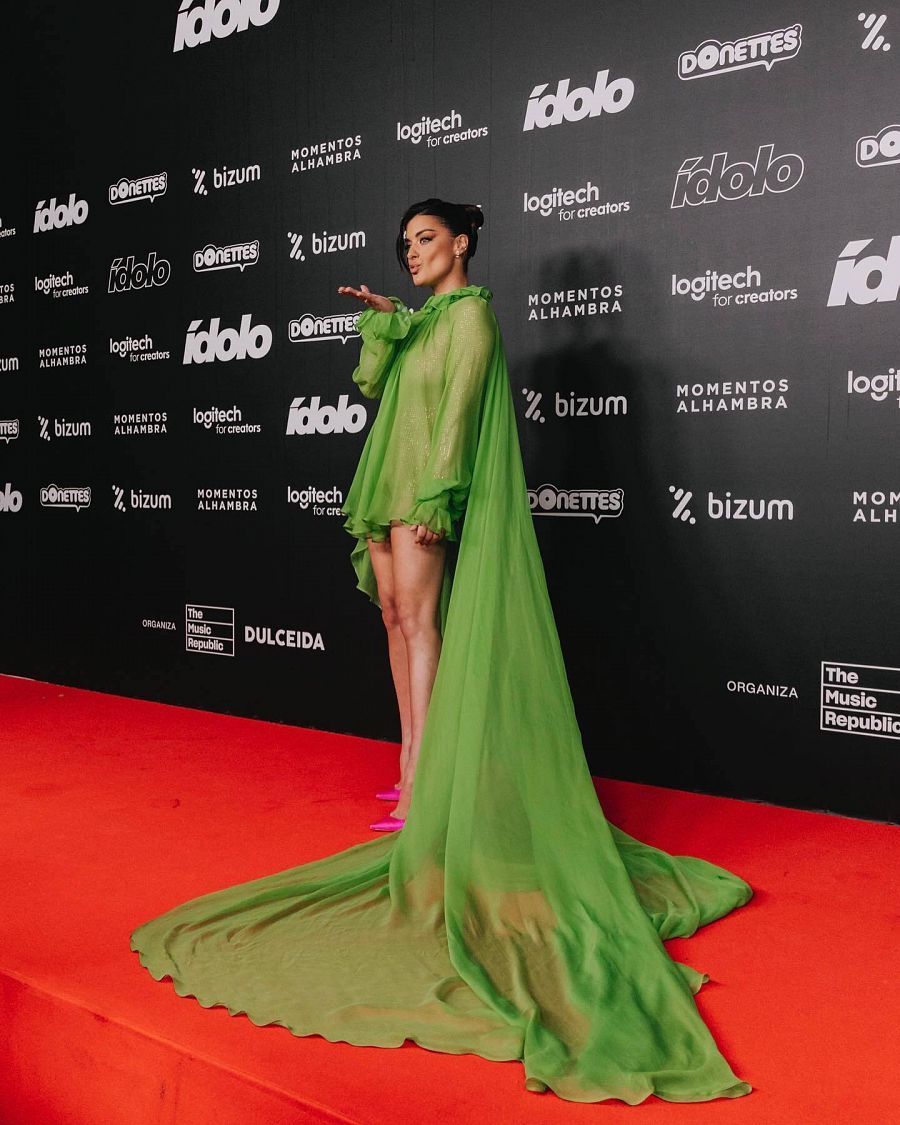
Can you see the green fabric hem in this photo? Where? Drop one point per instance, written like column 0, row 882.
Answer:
column 435, row 517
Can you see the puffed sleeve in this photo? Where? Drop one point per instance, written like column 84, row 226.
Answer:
column 444, row 486
column 381, row 333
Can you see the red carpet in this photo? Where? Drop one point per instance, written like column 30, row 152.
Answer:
column 112, row 810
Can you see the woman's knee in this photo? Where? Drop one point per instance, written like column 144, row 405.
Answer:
column 389, row 611
column 415, row 618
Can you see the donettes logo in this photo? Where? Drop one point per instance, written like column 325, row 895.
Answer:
column 765, row 49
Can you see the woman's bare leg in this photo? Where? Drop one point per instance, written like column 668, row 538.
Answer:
column 418, row 573
column 382, row 565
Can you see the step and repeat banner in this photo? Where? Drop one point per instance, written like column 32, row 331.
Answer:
column 693, row 238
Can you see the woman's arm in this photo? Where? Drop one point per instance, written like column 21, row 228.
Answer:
column 384, row 323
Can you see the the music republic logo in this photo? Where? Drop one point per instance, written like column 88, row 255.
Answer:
column 852, row 274
column 209, row 629
column 219, row 18
column 236, row 256
column 766, row 49
column 696, row 184
column 147, row 188
column 596, row 504
column 309, row 328
column 729, row 507
column 544, row 110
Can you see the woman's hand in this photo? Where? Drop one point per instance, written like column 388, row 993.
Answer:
column 426, row 537
column 373, row 300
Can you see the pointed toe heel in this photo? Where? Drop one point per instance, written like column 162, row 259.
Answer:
column 388, row 824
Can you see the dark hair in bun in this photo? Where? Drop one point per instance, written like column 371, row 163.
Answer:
column 458, row 218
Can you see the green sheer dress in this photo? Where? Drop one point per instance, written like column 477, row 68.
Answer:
column 508, row 918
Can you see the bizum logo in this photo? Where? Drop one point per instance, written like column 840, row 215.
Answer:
column 62, row 428
column 573, row 105
column 682, row 498
column 123, row 501
column 533, row 400
column 730, row 507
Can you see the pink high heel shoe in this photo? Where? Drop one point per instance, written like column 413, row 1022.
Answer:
column 388, row 795
column 388, row 824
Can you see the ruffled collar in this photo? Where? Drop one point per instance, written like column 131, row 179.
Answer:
column 442, row 300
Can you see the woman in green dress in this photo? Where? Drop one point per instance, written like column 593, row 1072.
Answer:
column 508, row 918
column 425, row 432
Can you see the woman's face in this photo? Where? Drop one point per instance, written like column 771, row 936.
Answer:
column 431, row 250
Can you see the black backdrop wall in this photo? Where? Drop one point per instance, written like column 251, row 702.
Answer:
column 693, row 236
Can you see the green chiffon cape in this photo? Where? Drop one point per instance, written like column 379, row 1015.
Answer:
column 508, row 918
